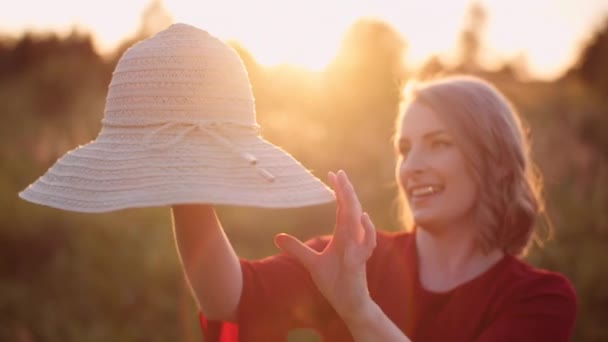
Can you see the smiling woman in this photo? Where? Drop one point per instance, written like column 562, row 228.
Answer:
column 180, row 129
column 467, row 134
column 465, row 175
column 432, row 171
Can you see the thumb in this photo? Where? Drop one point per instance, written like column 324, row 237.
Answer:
column 295, row 248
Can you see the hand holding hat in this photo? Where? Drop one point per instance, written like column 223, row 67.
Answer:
column 179, row 127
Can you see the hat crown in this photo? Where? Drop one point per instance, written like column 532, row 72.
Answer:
column 180, row 74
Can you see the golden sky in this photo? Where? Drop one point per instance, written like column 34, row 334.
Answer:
column 307, row 33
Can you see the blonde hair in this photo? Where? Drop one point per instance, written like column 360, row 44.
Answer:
column 494, row 142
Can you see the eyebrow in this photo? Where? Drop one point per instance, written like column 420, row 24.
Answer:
column 427, row 135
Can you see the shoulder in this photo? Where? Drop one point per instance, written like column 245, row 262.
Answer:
column 518, row 302
column 527, row 304
column 530, row 287
column 535, row 280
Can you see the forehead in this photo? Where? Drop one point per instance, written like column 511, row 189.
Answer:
column 419, row 120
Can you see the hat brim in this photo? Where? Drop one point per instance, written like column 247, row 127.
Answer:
column 108, row 175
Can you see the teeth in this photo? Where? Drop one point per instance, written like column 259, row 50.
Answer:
column 427, row 190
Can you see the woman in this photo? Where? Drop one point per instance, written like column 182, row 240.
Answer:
column 456, row 275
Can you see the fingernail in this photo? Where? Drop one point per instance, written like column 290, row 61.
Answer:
column 276, row 244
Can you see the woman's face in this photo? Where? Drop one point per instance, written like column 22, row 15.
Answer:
column 432, row 171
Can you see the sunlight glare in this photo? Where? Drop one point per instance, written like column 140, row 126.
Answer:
column 427, row 26
column 539, row 31
column 307, row 34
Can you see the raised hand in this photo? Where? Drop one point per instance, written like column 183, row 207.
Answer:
column 339, row 271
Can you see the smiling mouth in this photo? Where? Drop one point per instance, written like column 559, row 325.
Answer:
column 425, row 190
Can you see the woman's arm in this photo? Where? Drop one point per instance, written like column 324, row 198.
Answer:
column 371, row 324
column 211, row 266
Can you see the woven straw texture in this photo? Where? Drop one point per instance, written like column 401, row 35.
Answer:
column 179, row 127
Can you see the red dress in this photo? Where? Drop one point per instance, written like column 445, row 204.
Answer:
column 511, row 301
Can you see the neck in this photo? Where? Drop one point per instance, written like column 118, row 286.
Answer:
column 450, row 258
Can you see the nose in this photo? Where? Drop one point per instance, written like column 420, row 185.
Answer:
column 412, row 164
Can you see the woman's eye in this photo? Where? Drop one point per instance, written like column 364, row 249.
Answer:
column 403, row 149
column 437, row 144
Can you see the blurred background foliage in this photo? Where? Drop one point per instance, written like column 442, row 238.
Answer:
column 116, row 276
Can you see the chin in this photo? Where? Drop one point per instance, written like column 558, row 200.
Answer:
column 426, row 222
column 429, row 228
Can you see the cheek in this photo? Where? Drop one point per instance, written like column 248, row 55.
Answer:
column 465, row 190
column 399, row 174
column 455, row 172
column 463, row 186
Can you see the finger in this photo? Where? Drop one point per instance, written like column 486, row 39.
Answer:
column 357, row 252
column 349, row 195
column 333, row 179
column 348, row 228
column 370, row 232
column 335, row 184
column 351, row 207
column 297, row 249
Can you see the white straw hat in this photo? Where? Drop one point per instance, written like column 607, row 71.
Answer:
column 179, row 127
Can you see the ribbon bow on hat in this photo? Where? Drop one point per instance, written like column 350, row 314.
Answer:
column 209, row 129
